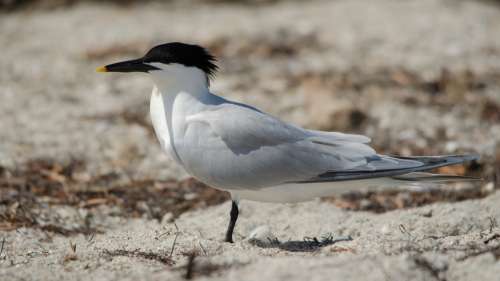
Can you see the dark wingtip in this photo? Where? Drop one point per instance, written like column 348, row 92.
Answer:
column 418, row 177
column 460, row 158
column 452, row 158
column 472, row 157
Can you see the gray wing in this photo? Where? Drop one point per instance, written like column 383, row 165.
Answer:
column 252, row 149
column 400, row 171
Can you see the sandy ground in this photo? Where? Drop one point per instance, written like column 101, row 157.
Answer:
column 419, row 77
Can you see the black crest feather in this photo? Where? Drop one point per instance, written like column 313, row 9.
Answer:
column 186, row 54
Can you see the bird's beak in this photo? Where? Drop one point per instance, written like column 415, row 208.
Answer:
column 127, row 66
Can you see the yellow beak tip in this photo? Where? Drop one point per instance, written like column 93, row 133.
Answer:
column 101, row 69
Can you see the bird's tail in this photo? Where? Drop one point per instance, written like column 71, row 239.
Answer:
column 429, row 177
column 400, row 168
column 337, row 183
column 417, row 178
column 432, row 162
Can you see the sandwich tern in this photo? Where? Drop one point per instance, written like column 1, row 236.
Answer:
column 255, row 156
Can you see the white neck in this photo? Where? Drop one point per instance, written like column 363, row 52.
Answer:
column 179, row 89
column 175, row 78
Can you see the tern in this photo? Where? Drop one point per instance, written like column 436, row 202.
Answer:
column 255, row 156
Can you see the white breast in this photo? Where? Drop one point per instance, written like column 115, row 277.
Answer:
column 159, row 119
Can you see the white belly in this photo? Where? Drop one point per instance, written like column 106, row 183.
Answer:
column 291, row 192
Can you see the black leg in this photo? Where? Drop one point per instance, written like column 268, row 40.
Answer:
column 232, row 222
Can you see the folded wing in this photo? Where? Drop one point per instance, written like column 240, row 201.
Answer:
column 254, row 149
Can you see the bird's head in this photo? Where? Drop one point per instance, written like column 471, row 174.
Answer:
column 170, row 63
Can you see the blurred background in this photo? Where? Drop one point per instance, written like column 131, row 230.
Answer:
column 80, row 165
column 418, row 77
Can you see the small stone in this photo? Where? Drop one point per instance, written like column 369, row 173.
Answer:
column 451, row 146
column 262, row 235
column 190, row 196
column 167, row 218
column 386, row 229
column 489, row 187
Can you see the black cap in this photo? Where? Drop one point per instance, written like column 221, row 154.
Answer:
column 175, row 52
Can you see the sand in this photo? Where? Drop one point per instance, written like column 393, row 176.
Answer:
column 419, row 77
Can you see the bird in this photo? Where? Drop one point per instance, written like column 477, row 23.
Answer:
column 235, row 147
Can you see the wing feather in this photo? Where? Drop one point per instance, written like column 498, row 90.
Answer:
column 264, row 151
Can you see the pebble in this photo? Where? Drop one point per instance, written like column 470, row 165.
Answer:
column 262, row 235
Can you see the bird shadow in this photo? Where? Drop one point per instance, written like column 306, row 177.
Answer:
column 307, row 244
